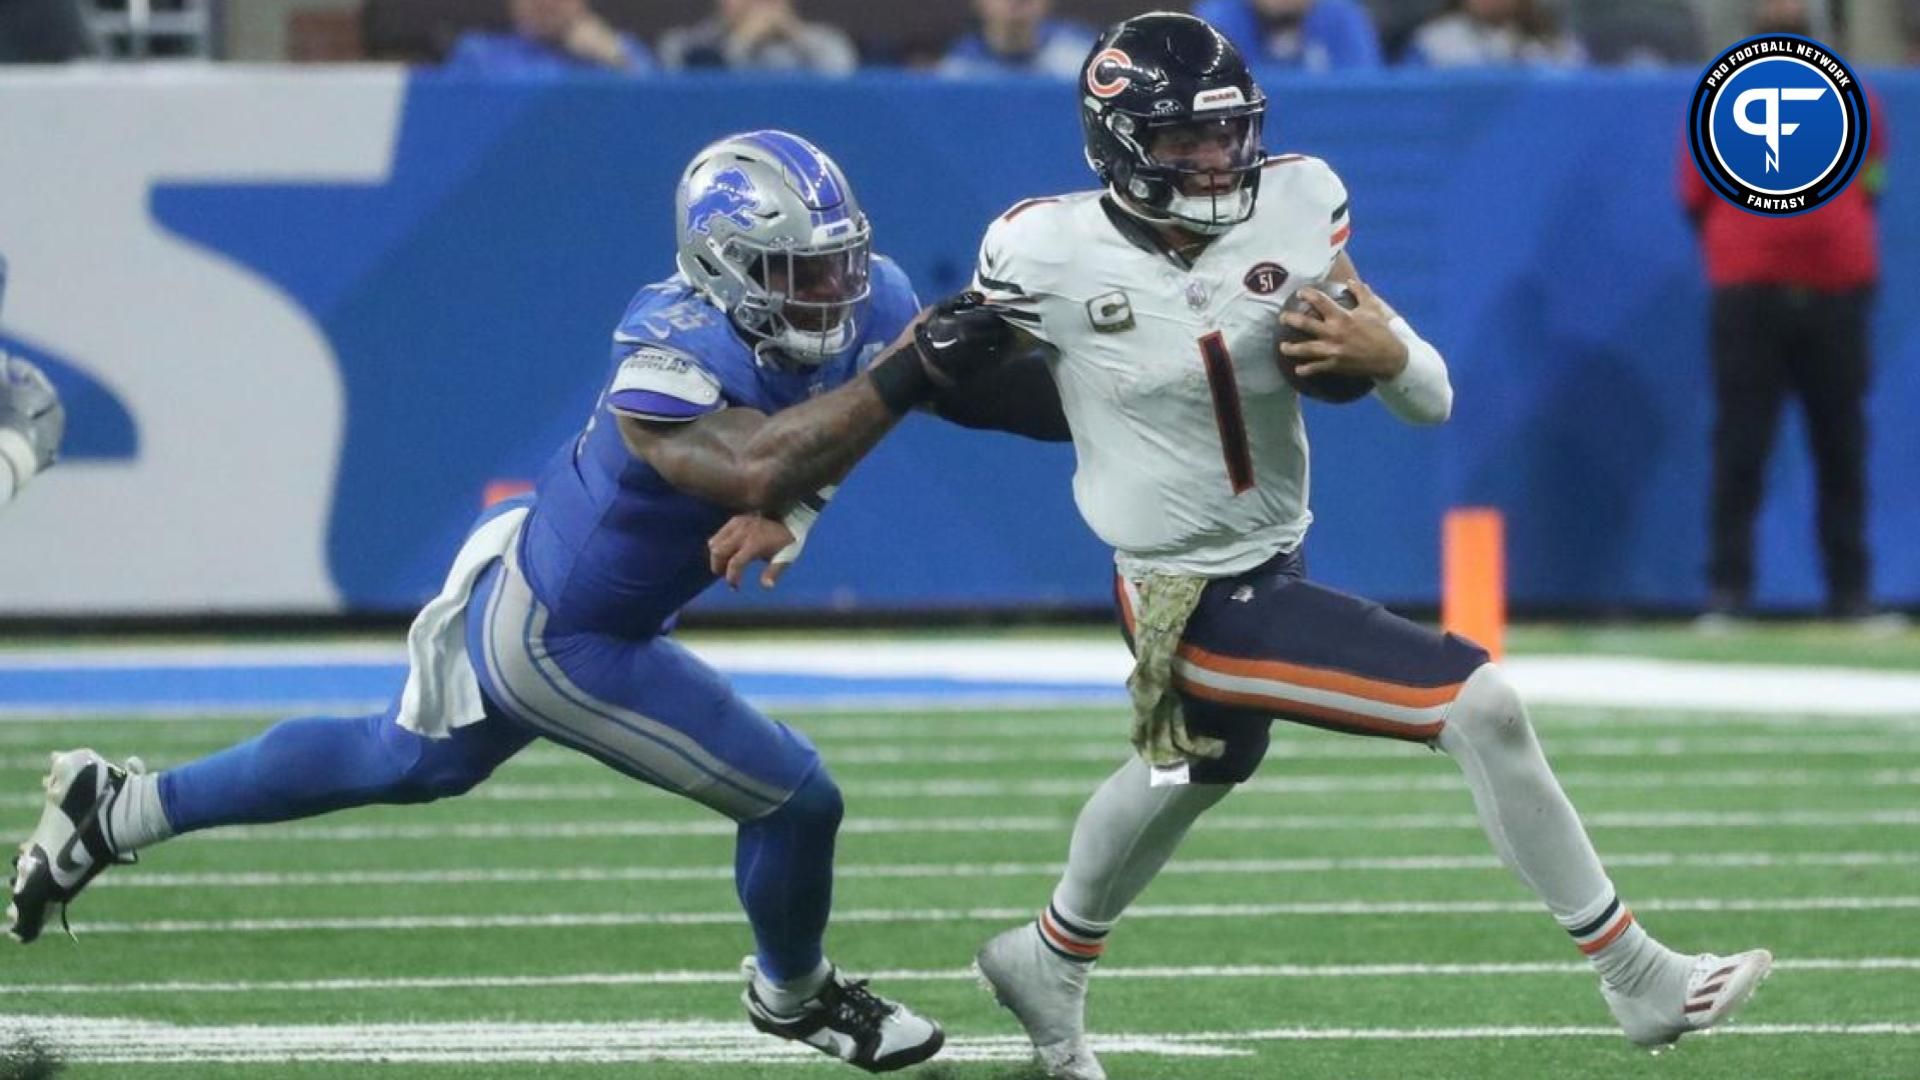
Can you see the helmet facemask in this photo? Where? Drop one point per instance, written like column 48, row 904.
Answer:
column 802, row 302
column 1199, row 173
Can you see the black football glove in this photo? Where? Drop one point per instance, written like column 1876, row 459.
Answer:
column 963, row 337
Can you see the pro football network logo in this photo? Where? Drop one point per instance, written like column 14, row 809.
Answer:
column 1778, row 124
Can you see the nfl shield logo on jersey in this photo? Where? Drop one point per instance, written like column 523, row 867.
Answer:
column 1265, row 278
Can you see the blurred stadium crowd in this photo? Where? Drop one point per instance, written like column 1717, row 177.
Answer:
column 955, row 38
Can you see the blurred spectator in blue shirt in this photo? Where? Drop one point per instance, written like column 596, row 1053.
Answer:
column 43, row 32
column 760, row 35
column 1494, row 33
column 1016, row 36
column 1311, row 35
column 550, row 37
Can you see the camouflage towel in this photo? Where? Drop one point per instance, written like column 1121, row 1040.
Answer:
column 1166, row 602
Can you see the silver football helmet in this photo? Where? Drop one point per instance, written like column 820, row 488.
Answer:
column 770, row 232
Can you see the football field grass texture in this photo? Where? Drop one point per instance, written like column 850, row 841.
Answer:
column 1341, row 917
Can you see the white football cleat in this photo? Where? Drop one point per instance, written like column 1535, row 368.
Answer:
column 1713, row 989
column 845, row 1020
column 1048, row 995
column 69, row 847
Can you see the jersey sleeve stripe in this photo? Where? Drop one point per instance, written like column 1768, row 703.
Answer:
column 1023, row 207
column 1000, row 286
column 1340, row 211
column 650, row 405
column 1340, row 235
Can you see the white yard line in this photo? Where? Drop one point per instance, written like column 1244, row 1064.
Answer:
column 967, row 870
column 960, row 719
column 582, row 830
column 1447, row 781
column 1113, row 749
column 1444, row 782
column 1335, row 908
column 106, row 1040
column 1863, row 965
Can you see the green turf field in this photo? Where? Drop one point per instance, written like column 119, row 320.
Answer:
column 1340, row 918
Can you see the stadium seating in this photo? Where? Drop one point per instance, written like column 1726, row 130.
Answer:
column 422, row 30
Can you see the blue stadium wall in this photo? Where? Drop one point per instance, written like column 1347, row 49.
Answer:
column 1527, row 226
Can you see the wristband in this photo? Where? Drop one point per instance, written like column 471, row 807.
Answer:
column 902, row 381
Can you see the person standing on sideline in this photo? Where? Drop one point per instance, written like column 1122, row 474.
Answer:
column 1791, row 312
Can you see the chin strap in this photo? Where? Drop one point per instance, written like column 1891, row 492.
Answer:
column 1191, row 224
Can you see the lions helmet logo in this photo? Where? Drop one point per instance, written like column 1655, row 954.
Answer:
column 730, row 195
column 1265, row 278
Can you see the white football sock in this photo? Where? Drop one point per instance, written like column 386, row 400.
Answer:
column 135, row 818
column 787, row 997
column 1534, row 828
column 1125, row 834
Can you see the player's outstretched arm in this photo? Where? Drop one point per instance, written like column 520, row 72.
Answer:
column 32, row 423
column 1375, row 342
column 1019, row 397
column 749, row 460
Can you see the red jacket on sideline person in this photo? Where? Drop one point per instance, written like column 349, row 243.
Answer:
column 1832, row 248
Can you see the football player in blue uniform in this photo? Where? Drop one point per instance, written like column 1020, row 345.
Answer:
column 750, row 381
column 32, row 420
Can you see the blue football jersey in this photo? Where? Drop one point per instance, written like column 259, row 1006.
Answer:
column 610, row 546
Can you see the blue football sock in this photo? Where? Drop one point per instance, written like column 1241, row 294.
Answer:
column 783, row 871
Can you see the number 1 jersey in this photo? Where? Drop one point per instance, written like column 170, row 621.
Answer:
column 1192, row 456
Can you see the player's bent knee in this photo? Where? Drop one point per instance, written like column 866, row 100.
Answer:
column 816, row 805
column 444, row 780
column 439, row 769
column 1489, row 710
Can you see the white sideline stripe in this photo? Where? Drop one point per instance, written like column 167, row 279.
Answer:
column 984, row 914
column 732, row 977
column 578, row 830
column 89, row 1040
column 888, row 871
column 1556, row 680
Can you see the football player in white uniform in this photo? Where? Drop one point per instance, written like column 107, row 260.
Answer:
column 1159, row 301
column 32, row 420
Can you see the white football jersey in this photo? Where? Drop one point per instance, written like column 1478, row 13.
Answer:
column 1192, row 456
